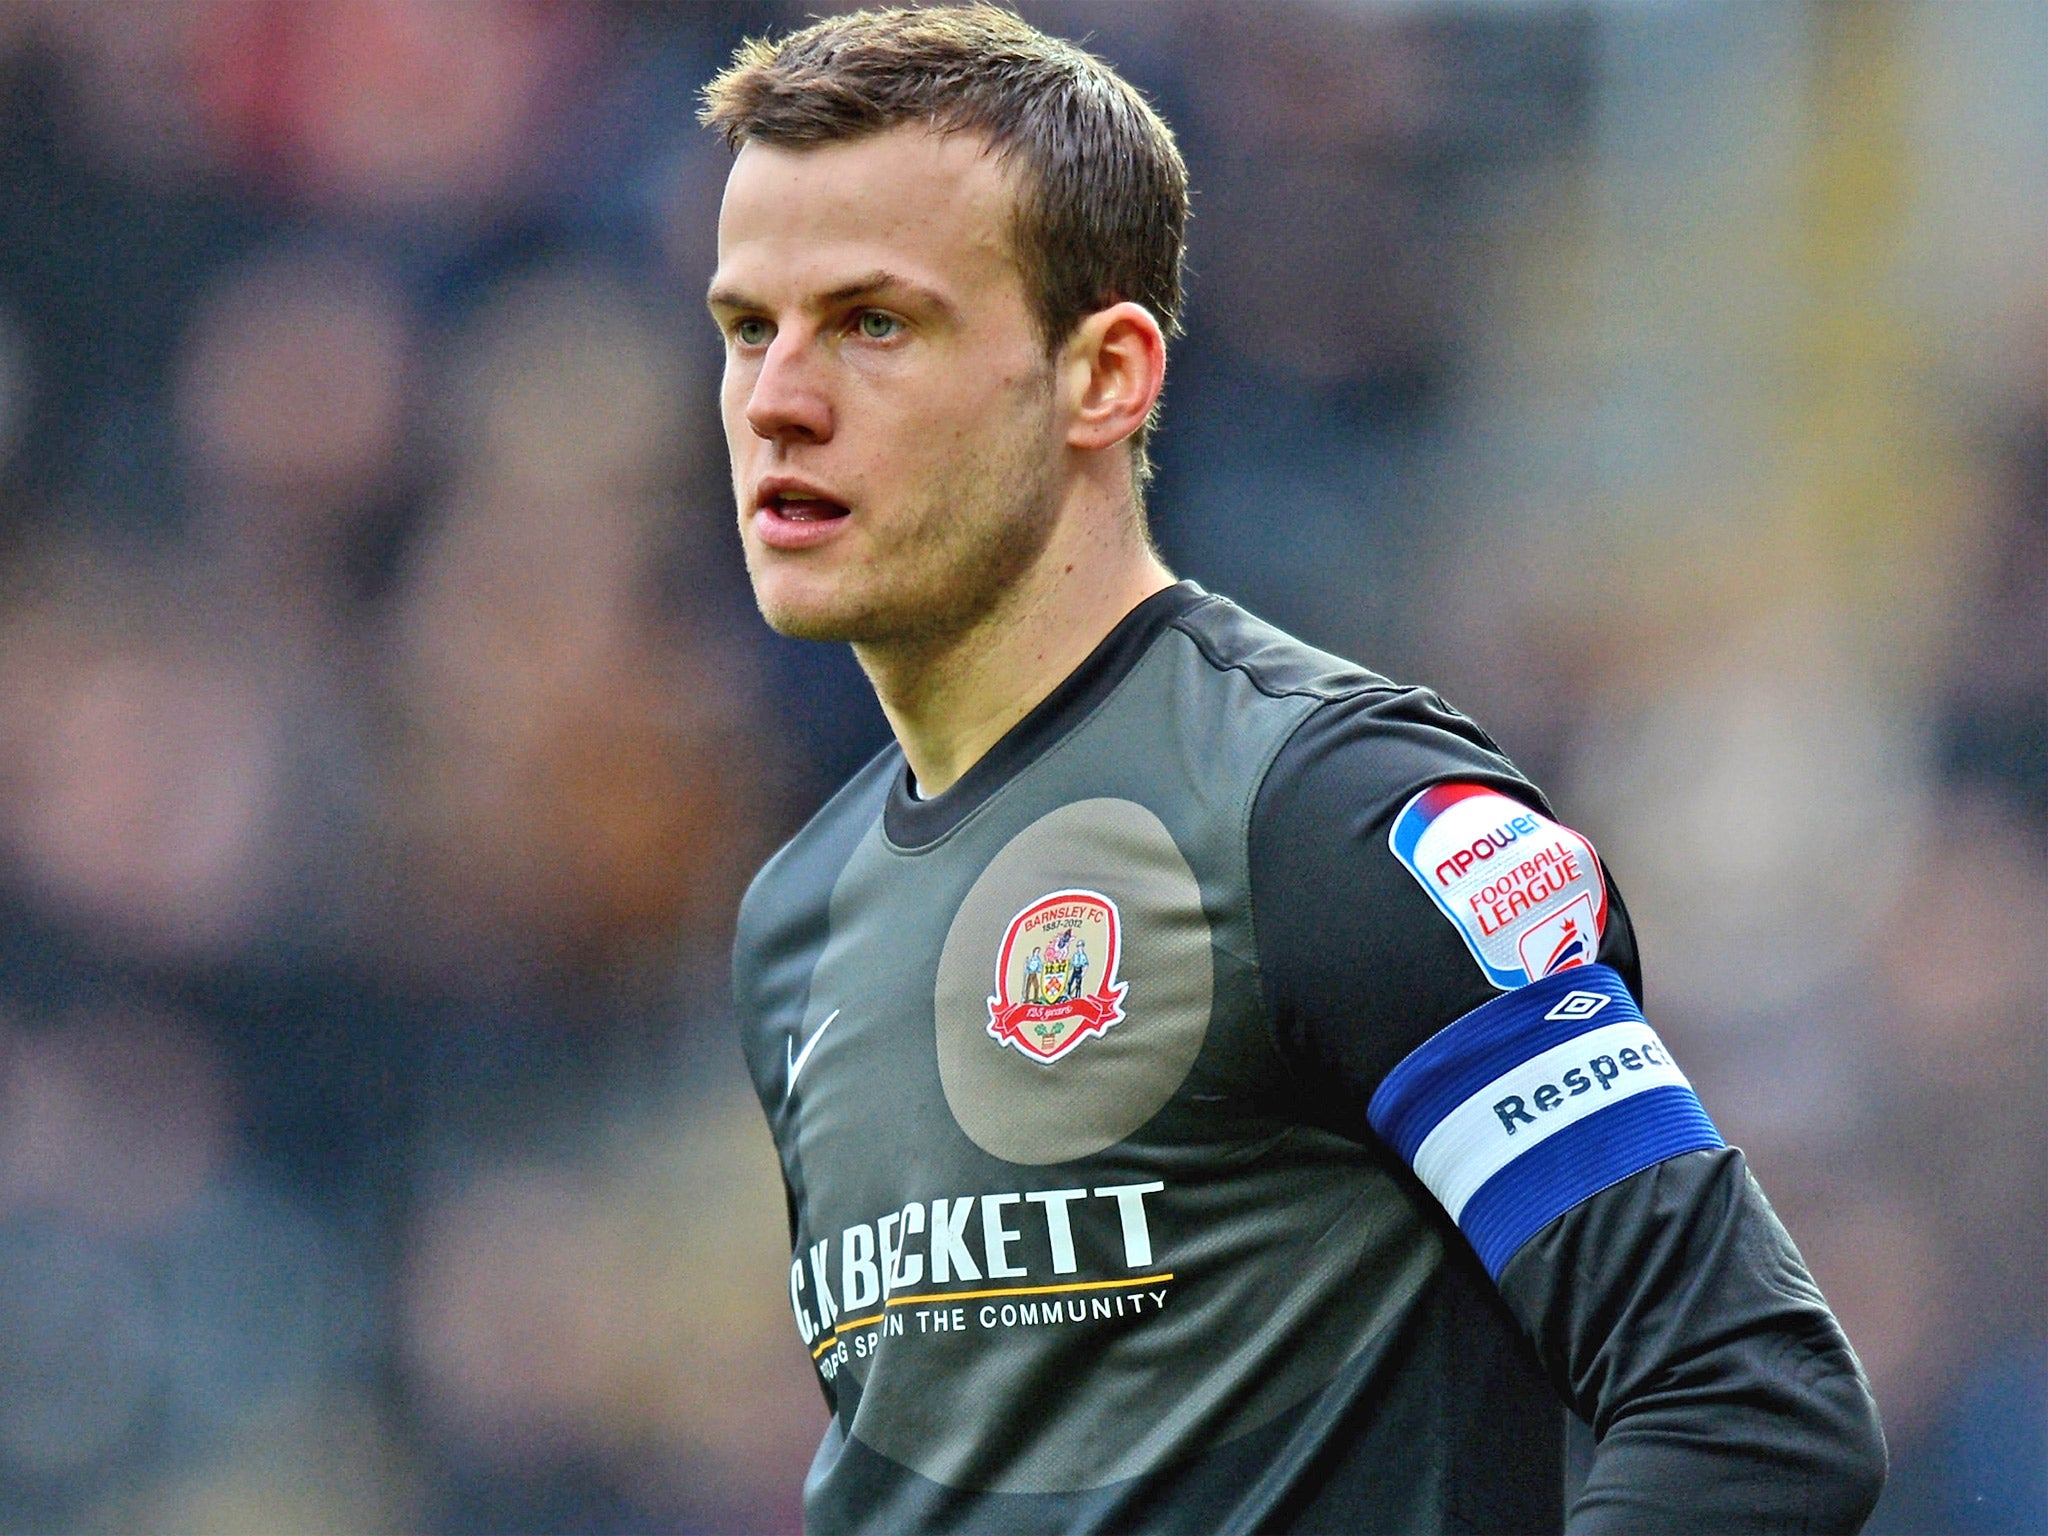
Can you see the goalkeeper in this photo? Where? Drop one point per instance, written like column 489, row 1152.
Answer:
column 1346, row 1162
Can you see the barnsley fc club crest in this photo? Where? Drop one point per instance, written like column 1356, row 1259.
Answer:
column 1056, row 975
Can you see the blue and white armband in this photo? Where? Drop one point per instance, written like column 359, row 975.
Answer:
column 1543, row 1097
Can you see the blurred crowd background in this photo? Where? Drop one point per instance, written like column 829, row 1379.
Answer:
column 386, row 733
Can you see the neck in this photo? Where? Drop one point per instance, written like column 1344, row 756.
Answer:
column 950, row 698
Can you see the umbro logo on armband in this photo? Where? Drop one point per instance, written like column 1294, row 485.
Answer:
column 1526, row 1106
column 1577, row 1005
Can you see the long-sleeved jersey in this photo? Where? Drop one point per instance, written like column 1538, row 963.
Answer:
column 1229, row 1108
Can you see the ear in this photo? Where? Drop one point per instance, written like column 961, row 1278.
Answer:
column 1113, row 367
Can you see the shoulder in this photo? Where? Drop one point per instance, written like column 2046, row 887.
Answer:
column 1405, row 872
column 1273, row 661
column 1390, row 822
column 1359, row 733
column 1362, row 745
column 792, row 892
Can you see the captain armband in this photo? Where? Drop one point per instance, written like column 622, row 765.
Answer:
column 1543, row 1097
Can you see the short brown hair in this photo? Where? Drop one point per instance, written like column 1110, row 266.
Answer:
column 1102, row 214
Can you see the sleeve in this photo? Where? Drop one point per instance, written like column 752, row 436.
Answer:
column 1450, row 975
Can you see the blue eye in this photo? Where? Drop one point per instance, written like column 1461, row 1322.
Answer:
column 751, row 332
column 877, row 326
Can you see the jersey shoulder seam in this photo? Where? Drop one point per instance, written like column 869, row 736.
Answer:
column 1251, row 900
column 1327, row 693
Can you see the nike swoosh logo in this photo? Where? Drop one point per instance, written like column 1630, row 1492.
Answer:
column 798, row 1058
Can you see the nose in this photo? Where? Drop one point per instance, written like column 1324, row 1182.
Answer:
column 787, row 401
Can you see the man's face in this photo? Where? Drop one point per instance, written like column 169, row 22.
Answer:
column 888, row 401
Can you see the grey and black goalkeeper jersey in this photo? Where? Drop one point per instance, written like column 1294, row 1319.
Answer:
column 1229, row 1108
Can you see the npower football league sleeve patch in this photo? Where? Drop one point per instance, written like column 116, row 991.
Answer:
column 1525, row 893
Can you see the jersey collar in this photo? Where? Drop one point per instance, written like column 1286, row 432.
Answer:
column 912, row 823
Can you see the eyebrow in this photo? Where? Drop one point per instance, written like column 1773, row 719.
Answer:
column 877, row 282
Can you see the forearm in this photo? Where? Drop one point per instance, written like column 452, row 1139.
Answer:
column 1683, row 1325
column 1738, row 1467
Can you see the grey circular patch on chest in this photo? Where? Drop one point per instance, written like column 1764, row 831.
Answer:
column 1010, row 1101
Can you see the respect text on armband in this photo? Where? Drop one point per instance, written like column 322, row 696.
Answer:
column 1600, row 1072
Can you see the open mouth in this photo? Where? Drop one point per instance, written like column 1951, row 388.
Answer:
column 790, row 515
column 804, row 509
